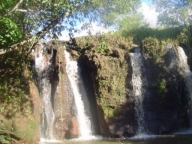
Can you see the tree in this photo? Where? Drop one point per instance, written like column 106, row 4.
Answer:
column 33, row 19
column 129, row 24
column 174, row 12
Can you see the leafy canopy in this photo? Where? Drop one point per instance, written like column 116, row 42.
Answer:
column 129, row 24
column 174, row 12
column 29, row 18
column 9, row 32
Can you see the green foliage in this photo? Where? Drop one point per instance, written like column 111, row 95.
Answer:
column 159, row 33
column 47, row 16
column 5, row 6
column 185, row 36
column 14, row 76
column 150, row 46
column 128, row 25
column 154, row 49
column 9, row 33
column 161, row 86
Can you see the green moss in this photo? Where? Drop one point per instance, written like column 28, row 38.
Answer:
column 112, row 88
column 28, row 132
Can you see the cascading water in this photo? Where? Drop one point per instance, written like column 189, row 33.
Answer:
column 80, row 97
column 136, row 62
column 48, row 117
column 185, row 71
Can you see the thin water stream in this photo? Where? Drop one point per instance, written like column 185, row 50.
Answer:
column 185, row 71
column 136, row 63
column 80, row 97
column 48, row 116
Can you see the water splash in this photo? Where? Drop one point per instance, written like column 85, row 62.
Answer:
column 48, row 116
column 79, row 96
column 136, row 62
column 185, row 71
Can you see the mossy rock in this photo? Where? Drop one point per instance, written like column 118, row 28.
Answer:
column 20, row 118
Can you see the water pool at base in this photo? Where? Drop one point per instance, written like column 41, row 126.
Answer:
column 163, row 139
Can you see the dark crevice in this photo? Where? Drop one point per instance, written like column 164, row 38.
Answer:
column 88, row 80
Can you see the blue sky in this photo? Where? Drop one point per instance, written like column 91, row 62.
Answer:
column 149, row 2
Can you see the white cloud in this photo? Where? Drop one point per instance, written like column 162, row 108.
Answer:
column 150, row 15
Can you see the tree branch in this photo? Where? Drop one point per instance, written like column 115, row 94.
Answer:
column 14, row 8
column 39, row 34
column 23, row 10
column 53, row 24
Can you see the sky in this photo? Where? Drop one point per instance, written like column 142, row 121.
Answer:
column 150, row 16
column 149, row 2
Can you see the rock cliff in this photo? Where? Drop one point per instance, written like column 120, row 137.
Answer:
column 107, row 73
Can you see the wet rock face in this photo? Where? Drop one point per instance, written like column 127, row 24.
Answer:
column 62, row 100
column 165, row 100
column 73, row 129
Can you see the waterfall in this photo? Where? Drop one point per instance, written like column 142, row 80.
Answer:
column 42, row 68
column 185, row 71
column 136, row 62
column 80, row 97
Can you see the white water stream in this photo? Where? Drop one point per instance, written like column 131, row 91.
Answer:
column 48, row 116
column 79, row 96
column 136, row 62
column 185, row 71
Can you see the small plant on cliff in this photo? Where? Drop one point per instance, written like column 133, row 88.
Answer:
column 161, row 86
column 102, row 47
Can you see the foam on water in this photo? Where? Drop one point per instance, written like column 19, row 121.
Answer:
column 146, row 137
column 90, row 138
column 184, row 131
column 42, row 140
